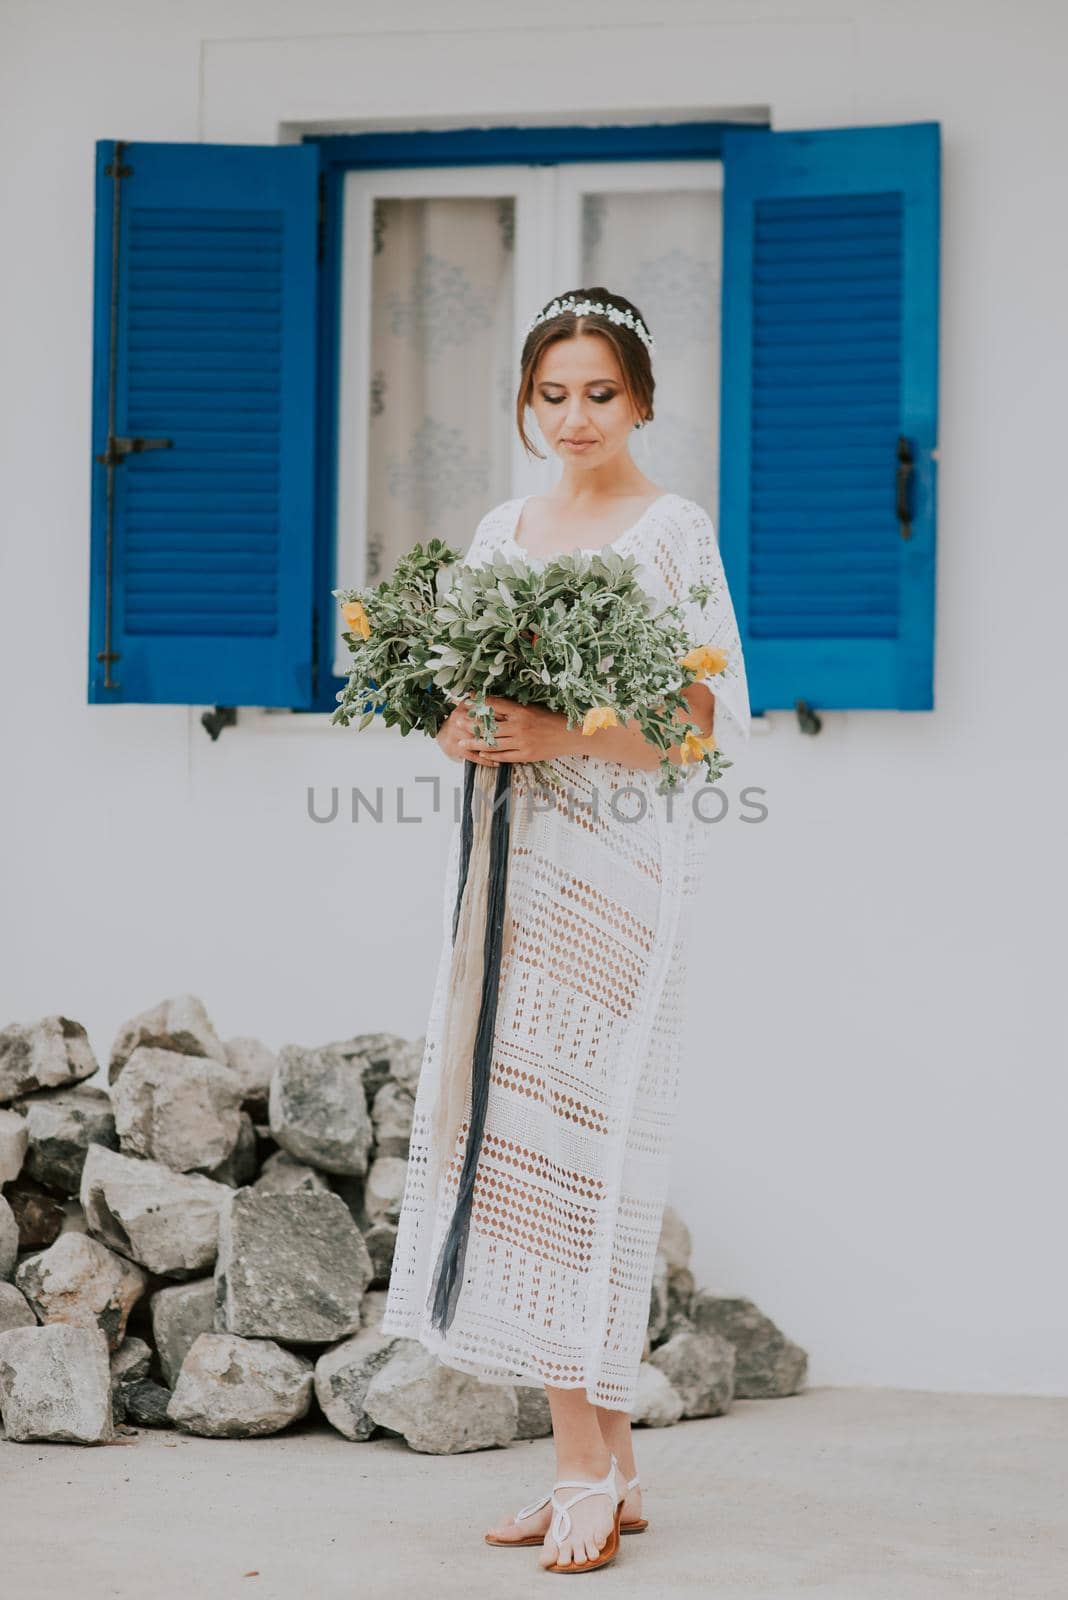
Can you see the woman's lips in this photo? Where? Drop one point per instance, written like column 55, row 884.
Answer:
column 579, row 444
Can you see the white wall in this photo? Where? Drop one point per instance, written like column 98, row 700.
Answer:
column 872, row 1145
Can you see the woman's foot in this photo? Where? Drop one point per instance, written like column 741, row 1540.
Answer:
column 592, row 1519
column 512, row 1528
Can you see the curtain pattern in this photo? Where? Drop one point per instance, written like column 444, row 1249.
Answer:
column 662, row 249
column 441, row 371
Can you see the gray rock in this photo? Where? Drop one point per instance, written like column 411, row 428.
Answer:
column 253, row 1066
column 768, row 1364
column 675, row 1243
column 14, row 1139
column 52, row 1053
column 701, row 1367
column 81, row 1282
column 343, row 1374
column 282, row 1173
column 145, row 1402
column 73, row 1217
column 375, row 1053
column 184, row 1111
column 351, row 1191
column 180, row 1314
column 15, row 1310
column 129, row 1364
column 61, row 1125
column 55, row 1383
column 381, row 1242
column 680, row 1297
column 438, row 1410
column 382, row 1056
column 658, row 1403
column 407, row 1062
column 166, row 1221
column 391, row 1117
column 9, row 1239
column 384, row 1189
column 658, row 1301
column 373, row 1308
column 291, row 1266
column 534, row 1419
column 234, row 1388
column 131, row 1360
column 39, row 1216
column 318, row 1109
column 178, row 1024
column 239, row 1167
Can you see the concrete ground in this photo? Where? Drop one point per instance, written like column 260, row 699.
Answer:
column 855, row 1494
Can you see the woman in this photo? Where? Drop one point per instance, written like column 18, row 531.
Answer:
column 572, row 1169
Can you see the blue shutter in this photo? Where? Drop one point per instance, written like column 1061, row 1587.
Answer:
column 204, row 336
column 830, row 357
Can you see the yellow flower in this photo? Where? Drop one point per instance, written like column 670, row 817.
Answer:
column 599, row 717
column 357, row 619
column 704, row 658
column 693, row 747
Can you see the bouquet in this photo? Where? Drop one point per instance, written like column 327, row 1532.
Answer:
column 577, row 635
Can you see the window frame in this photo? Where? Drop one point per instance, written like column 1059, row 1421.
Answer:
column 340, row 154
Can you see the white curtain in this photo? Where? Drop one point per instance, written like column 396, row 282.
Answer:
column 663, row 250
column 442, row 384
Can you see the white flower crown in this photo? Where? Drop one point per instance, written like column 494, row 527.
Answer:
column 582, row 307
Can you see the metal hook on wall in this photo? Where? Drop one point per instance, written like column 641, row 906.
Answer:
column 218, row 718
column 807, row 719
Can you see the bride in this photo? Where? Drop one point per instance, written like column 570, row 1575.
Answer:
column 573, row 1167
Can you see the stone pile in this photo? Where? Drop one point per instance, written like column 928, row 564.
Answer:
column 206, row 1244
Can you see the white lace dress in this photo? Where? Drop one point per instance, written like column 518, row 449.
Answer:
column 573, row 1170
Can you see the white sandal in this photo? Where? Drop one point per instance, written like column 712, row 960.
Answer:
column 633, row 1525
column 560, row 1526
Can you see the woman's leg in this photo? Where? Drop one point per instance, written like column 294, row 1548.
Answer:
column 615, row 1431
column 581, row 1452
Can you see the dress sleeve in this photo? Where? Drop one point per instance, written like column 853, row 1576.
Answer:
column 685, row 550
column 485, row 538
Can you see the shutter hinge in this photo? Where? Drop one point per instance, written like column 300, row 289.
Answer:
column 321, row 236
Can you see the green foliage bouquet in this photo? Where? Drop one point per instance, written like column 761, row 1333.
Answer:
column 577, row 635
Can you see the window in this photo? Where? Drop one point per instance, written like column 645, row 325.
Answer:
column 305, row 360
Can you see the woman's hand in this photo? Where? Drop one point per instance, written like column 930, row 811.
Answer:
column 458, row 736
column 524, row 733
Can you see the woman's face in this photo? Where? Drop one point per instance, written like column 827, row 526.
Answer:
column 579, row 399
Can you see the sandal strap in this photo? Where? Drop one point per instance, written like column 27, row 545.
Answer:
column 535, row 1505
column 561, row 1523
column 632, row 1483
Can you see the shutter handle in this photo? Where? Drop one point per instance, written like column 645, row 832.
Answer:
column 905, row 469
column 119, row 447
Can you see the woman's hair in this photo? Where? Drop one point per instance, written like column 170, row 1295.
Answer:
column 633, row 355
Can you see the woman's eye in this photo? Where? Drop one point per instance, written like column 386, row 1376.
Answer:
column 602, row 399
